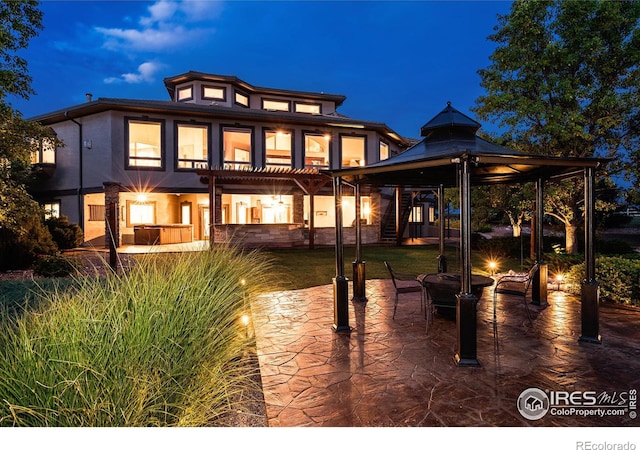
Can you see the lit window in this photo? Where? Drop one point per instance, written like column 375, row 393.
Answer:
column 384, row 151
column 308, row 108
column 275, row 105
column 192, row 146
column 237, row 148
column 278, row 148
column 141, row 213
column 257, row 208
column 96, row 213
column 213, row 93
column 145, row 143
column 51, row 210
column 185, row 93
column 352, row 151
column 241, row 99
column 44, row 151
column 316, row 150
column 416, row 214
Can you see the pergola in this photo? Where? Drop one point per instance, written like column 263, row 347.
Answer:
column 452, row 155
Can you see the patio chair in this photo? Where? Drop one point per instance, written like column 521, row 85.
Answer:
column 405, row 284
column 515, row 285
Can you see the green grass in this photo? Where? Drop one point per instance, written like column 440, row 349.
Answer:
column 162, row 345
column 302, row 268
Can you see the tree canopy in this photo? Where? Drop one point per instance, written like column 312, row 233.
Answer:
column 564, row 80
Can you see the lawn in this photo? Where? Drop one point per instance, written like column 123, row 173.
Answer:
column 302, row 268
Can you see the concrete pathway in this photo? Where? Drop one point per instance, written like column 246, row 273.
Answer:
column 392, row 373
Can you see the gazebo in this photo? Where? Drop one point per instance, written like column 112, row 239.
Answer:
column 453, row 155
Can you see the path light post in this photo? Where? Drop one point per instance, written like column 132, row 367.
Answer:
column 340, row 282
column 359, row 276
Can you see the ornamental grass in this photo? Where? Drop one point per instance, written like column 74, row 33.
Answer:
column 161, row 345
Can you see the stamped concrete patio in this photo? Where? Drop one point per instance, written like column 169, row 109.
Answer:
column 391, row 373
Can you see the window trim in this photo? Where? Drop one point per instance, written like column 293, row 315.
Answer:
column 380, row 143
column 276, row 100
column 236, row 127
column 212, row 86
column 176, row 159
column 351, row 135
column 163, row 145
column 264, row 146
column 306, row 133
column 243, row 94
column 184, row 88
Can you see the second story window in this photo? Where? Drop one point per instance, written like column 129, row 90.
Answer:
column 236, row 143
column 276, row 105
column 384, row 151
column 45, row 152
column 278, row 148
column 352, row 148
column 52, row 209
column 145, row 144
column 214, row 93
column 192, row 146
column 316, row 150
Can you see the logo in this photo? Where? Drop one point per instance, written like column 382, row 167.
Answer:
column 533, row 404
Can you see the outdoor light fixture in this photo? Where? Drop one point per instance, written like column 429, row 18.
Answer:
column 141, row 198
column 559, row 280
column 492, row 267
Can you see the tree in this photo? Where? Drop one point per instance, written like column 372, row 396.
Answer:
column 22, row 231
column 564, row 80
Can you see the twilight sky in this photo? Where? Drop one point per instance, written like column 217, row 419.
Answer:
column 397, row 62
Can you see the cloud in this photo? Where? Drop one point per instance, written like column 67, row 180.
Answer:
column 145, row 73
column 170, row 24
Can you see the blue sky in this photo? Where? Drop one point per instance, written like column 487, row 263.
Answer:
column 396, row 62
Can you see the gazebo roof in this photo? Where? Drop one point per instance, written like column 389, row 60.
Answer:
column 450, row 137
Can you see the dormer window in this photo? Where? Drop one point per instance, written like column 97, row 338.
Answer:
column 307, row 108
column 185, row 93
column 214, row 93
column 241, row 99
column 276, row 105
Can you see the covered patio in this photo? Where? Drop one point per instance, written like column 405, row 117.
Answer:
column 453, row 155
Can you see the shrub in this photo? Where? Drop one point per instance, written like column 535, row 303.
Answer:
column 19, row 250
column 618, row 278
column 56, row 265
column 65, row 234
column 161, row 345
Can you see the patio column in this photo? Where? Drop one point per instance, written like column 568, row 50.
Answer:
column 540, row 279
column 212, row 210
column 442, row 259
column 398, row 215
column 590, row 290
column 359, row 290
column 466, row 323
column 340, row 282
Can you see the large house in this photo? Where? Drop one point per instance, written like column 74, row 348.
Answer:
column 256, row 152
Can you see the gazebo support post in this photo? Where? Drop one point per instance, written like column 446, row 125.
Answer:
column 540, row 280
column 212, row 211
column 466, row 322
column 442, row 259
column 340, row 282
column 590, row 290
column 359, row 275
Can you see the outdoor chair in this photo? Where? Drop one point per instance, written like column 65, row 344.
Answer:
column 405, row 284
column 515, row 285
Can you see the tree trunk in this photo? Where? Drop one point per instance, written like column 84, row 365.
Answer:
column 517, row 229
column 571, row 238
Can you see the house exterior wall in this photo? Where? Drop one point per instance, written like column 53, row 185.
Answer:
column 95, row 151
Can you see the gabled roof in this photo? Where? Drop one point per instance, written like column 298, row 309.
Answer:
column 451, row 138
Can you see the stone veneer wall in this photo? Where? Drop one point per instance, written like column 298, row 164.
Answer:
column 289, row 235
